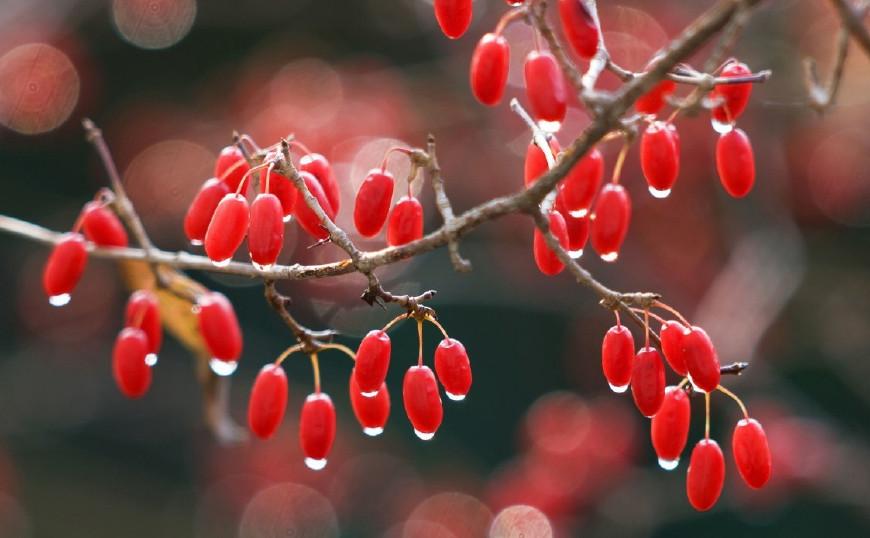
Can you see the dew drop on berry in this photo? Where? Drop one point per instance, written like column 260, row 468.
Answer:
column 721, row 127
column 221, row 263
column 669, row 465
column 373, row 432
column 550, row 126
column 580, row 213
column 455, row 397
column 221, row 367
column 659, row 193
column 610, row 256
column 424, row 436
column 151, row 359
column 315, row 464
column 196, row 242
column 59, row 300
column 575, row 254
column 370, row 394
column 619, row 389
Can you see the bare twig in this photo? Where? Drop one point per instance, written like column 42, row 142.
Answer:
column 853, row 20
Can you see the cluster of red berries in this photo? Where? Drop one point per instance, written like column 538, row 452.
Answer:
column 137, row 344
column 369, row 395
column 690, row 354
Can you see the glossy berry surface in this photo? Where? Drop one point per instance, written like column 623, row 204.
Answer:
column 579, row 27
column 219, row 326
column 669, row 429
column 283, row 188
column 617, row 356
column 654, row 100
column 453, row 16
column 536, row 162
column 266, row 231
column 371, row 412
column 132, row 374
column 422, row 401
column 231, row 167
column 648, row 381
column 143, row 312
column 64, row 267
column 734, row 96
column 372, row 361
column 751, row 453
column 317, row 429
column 735, row 163
column 372, row 203
column 406, row 222
column 453, row 368
column 576, row 227
column 582, row 182
column 610, row 223
column 227, row 228
column 706, row 475
column 268, row 401
column 318, row 166
column 660, row 157
column 102, row 227
column 671, row 337
column 702, row 362
column 546, row 260
column 489, row 69
column 308, row 220
column 545, row 87
column 202, row 209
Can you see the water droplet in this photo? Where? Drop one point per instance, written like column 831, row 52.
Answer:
column 288, row 218
column 371, row 394
column 373, row 432
column 222, row 263
column 455, row 397
column 618, row 389
column 196, row 242
column 580, row 213
column 151, row 359
column 59, row 300
column 550, row 126
column 266, row 267
column 575, row 254
column 424, row 436
column 221, row 367
column 720, row 126
column 669, row 465
column 610, row 256
column 315, row 465
column 659, row 194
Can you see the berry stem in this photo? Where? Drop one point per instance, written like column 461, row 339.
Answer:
column 295, row 143
column 250, row 172
column 682, row 383
column 287, row 352
column 618, row 321
column 707, row 415
column 315, row 366
column 620, row 160
column 648, row 313
column 646, row 326
column 734, row 397
column 340, row 347
column 393, row 149
column 395, row 320
column 419, row 342
column 673, row 311
column 434, row 322
column 508, row 18
column 232, row 168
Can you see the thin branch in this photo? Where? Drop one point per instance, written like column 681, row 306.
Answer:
column 853, row 20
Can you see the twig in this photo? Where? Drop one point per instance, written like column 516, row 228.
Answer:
column 853, row 21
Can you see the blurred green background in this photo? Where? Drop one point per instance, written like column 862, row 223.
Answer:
column 779, row 279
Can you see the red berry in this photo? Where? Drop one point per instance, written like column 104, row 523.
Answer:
column 702, row 362
column 536, row 162
column 309, row 221
column 372, row 362
column 735, row 163
column 202, row 209
column 454, row 16
column 610, row 222
column 318, row 166
column 453, row 368
column 734, row 96
column 674, row 349
column 268, row 401
column 751, row 453
column 660, row 157
column 266, row 233
column 489, row 68
column 422, row 401
column 143, row 312
column 219, row 327
column 317, row 429
column 579, row 27
column 648, row 381
column 132, row 374
column 582, row 182
column 371, row 413
column 669, row 429
column 545, row 87
column 284, row 189
column 706, row 475
column 617, row 356
column 231, row 167
column 547, row 260
column 373, row 202
column 102, row 227
column 64, row 268
column 406, row 222
column 227, row 228
column 577, row 228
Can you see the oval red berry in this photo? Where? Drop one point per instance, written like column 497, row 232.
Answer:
column 617, row 356
column 219, row 326
column 372, row 361
column 706, row 475
column 132, row 374
column 734, row 97
column 751, row 453
column 317, row 429
column 102, row 226
column 371, row 413
column 648, row 381
column 231, row 167
column 143, row 312
column 266, row 232
column 702, row 362
column 318, row 165
column 227, row 229
column 422, row 401
column 453, row 368
column 669, row 429
column 453, row 16
column 373, row 202
column 735, row 163
column 610, row 222
column 308, row 220
column 660, row 157
column 536, row 162
column 268, row 401
column 64, row 268
column 202, row 209
column 547, row 260
column 671, row 337
column 582, row 182
column 406, row 222
column 545, row 87
column 489, row 69
column 579, row 27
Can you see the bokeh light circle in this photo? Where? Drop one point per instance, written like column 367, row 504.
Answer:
column 289, row 509
column 39, row 88
column 521, row 521
column 153, row 24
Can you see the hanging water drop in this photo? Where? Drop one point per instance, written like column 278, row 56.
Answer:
column 580, row 213
column 373, row 432
column 222, row 263
column 315, row 464
column 424, row 436
column 196, row 242
column 59, row 300
column 222, row 368
column 575, row 254
column 151, row 359
column 610, row 256
column 455, row 397
column 669, row 465
column 721, row 127
column 619, row 389
column 659, row 193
